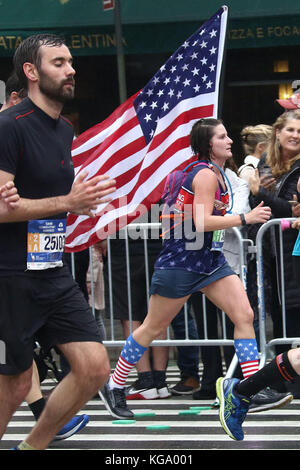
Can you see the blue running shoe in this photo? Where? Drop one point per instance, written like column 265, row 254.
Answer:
column 233, row 408
column 72, row 427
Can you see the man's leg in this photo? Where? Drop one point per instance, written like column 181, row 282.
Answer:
column 13, row 390
column 89, row 371
column 37, row 403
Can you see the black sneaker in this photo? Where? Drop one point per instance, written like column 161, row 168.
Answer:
column 115, row 402
column 268, row 399
column 186, row 386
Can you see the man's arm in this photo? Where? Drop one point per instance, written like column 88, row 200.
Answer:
column 9, row 199
column 83, row 198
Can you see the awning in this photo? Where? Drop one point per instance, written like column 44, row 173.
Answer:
column 148, row 26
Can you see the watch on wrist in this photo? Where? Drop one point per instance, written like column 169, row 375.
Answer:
column 243, row 220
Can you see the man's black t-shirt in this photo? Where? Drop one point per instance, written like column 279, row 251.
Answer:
column 37, row 150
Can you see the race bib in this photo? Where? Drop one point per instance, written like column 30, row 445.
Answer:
column 218, row 240
column 45, row 243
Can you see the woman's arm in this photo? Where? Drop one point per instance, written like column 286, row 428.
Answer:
column 205, row 185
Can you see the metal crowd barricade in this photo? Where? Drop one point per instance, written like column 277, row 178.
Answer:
column 267, row 346
column 113, row 341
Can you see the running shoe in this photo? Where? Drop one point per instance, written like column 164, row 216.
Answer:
column 233, row 408
column 267, row 399
column 136, row 392
column 72, row 427
column 186, row 386
column 115, row 402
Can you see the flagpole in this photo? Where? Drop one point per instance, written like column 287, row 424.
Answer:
column 222, row 75
column 120, row 52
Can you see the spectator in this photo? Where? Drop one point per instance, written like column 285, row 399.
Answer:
column 187, row 355
column 96, row 293
column 254, row 140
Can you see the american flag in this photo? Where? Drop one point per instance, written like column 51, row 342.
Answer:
column 147, row 136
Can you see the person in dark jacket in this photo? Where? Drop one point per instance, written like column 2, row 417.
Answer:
column 275, row 183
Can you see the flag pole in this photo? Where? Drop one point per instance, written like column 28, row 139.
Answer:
column 222, row 74
column 120, row 52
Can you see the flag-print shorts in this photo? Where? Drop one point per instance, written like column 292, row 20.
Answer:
column 51, row 310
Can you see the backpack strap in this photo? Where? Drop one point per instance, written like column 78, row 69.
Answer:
column 225, row 177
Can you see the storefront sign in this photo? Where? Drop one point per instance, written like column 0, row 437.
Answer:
column 156, row 38
column 264, row 32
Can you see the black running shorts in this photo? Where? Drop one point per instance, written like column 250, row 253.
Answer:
column 51, row 310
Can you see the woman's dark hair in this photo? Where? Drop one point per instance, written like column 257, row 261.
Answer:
column 29, row 51
column 200, row 136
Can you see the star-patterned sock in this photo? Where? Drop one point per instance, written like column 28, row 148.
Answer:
column 247, row 353
column 130, row 355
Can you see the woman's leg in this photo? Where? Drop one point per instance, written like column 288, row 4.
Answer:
column 161, row 312
column 229, row 295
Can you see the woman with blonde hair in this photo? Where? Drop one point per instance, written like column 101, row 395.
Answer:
column 255, row 141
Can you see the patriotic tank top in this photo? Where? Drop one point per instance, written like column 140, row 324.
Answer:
column 183, row 247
